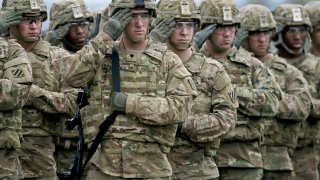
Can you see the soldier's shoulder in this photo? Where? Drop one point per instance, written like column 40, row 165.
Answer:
column 156, row 50
column 243, row 56
column 279, row 63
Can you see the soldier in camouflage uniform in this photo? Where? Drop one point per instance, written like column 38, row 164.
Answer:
column 49, row 101
column 214, row 109
column 15, row 83
column 313, row 9
column 281, row 133
column 156, row 91
column 239, row 156
column 293, row 27
column 69, row 24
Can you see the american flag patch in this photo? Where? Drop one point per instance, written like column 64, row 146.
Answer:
column 233, row 96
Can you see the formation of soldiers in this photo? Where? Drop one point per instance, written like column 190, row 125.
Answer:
column 206, row 92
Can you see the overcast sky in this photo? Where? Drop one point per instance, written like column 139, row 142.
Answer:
column 97, row 4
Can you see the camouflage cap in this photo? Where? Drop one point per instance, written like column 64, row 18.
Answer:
column 26, row 6
column 313, row 10
column 115, row 5
column 256, row 17
column 223, row 12
column 291, row 14
column 68, row 11
column 185, row 9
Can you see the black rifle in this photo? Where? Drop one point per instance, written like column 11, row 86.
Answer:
column 97, row 26
column 105, row 125
column 76, row 167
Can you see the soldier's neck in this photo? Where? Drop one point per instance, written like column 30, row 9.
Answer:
column 288, row 56
column 134, row 46
column 184, row 54
column 214, row 53
column 27, row 46
column 265, row 58
column 315, row 51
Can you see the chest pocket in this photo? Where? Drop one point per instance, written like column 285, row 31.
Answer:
column 142, row 74
column 42, row 74
column 240, row 74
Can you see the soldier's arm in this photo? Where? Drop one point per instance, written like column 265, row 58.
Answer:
column 81, row 67
column 296, row 102
column 17, row 77
column 315, row 113
column 175, row 106
column 263, row 98
column 206, row 127
column 58, row 101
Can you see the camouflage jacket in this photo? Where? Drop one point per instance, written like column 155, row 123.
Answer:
column 159, row 90
column 258, row 95
column 309, row 65
column 214, row 115
column 15, row 82
column 294, row 108
column 50, row 100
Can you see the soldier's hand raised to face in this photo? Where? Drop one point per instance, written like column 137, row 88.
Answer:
column 201, row 36
column 163, row 30
column 117, row 23
column 56, row 36
column 9, row 18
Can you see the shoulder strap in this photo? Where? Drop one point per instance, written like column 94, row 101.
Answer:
column 105, row 125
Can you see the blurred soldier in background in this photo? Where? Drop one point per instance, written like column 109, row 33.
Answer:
column 49, row 101
column 239, row 156
column 313, row 9
column 214, row 109
column 155, row 95
column 293, row 27
column 15, row 83
column 281, row 133
column 69, row 24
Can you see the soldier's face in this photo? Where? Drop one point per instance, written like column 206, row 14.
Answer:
column 78, row 34
column 294, row 37
column 137, row 28
column 29, row 29
column 258, row 42
column 315, row 36
column 222, row 37
column 182, row 35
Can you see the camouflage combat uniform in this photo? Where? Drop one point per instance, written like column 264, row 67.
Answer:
column 214, row 109
column 304, row 157
column 158, row 89
column 49, row 102
column 16, row 79
column 281, row 132
column 313, row 9
column 258, row 94
column 62, row 13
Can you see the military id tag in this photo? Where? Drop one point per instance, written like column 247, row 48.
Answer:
column 296, row 15
column 227, row 13
column 34, row 5
column 77, row 12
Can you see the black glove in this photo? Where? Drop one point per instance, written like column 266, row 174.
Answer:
column 201, row 36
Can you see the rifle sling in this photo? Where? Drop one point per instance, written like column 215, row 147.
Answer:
column 105, row 125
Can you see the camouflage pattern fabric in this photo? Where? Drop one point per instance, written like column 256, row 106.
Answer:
column 281, row 134
column 309, row 135
column 241, row 173
column 305, row 163
column 159, row 92
column 258, row 95
column 15, row 82
column 214, row 109
column 50, row 102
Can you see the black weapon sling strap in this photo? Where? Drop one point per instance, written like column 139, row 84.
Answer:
column 105, row 125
